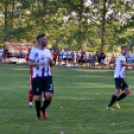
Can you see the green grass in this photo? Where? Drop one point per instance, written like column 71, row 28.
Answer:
column 83, row 93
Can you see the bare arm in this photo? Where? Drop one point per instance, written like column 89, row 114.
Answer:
column 50, row 62
column 33, row 64
column 125, row 64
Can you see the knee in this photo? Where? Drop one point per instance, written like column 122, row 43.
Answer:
column 48, row 96
column 128, row 91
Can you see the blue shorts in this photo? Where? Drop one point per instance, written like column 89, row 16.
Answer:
column 60, row 58
column 102, row 60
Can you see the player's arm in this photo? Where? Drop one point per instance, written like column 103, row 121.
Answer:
column 50, row 62
column 125, row 64
column 33, row 64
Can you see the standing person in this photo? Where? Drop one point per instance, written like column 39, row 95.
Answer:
column 69, row 57
column 40, row 60
column 55, row 56
column 60, row 57
column 132, row 56
column 1, row 54
column 65, row 56
column 72, row 57
column 30, row 92
column 120, row 83
column 78, row 57
column 103, row 56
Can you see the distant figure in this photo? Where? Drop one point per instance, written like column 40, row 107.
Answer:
column 1, row 54
column 132, row 56
column 60, row 57
column 20, row 54
column 55, row 56
column 112, row 61
column 89, row 59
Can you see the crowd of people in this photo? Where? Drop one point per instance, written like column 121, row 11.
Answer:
column 69, row 57
column 79, row 58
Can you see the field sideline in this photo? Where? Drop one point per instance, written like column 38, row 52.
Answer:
column 78, row 106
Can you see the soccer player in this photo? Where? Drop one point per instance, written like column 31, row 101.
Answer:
column 120, row 83
column 40, row 60
column 30, row 93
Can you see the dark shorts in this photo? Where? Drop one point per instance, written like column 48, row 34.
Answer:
column 69, row 59
column 120, row 83
column 40, row 84
column 65, row 59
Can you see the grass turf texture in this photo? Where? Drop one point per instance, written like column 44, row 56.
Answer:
column 78, row 106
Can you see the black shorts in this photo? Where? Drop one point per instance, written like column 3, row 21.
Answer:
column 69, row 59
column 65, row 59
column 120, row 83
column 40, row 84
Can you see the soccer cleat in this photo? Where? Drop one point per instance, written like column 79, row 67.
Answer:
column 116, row 104
column 110, row 108
column 44, row 115
column 38, row 117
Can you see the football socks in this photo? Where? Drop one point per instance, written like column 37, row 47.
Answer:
column 122, row 96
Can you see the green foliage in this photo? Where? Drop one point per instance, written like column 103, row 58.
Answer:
column 67, row 23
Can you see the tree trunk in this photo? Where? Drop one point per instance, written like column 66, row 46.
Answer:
column 5, row 15
column 103, row 39
column 80, row 20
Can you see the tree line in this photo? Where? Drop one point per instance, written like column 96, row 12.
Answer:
column 90, row 24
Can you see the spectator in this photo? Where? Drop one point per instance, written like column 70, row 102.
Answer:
column 132, row 56
column 94, row 60
column 72, row 57
column 20, row 54
column 78, row 57
column 103, row 56
column 60, row 57
column 84, row 59
column 55, row 56
column 1, row 53
column 89, row 59
column 98, row 58
column 65, row 56
column 112, row 61
column 69, row 57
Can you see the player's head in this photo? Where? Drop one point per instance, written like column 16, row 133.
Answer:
column 124, row 50
column 41, row 39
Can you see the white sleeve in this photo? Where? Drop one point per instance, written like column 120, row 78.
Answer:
column 32, row 55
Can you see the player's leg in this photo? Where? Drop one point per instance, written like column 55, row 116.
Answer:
column 30, row 93
column 127, row 90
column 38, row 106
column 44, row 97
column 30, row 96
column 114, row 97
column 36, row 88
column 48, row 90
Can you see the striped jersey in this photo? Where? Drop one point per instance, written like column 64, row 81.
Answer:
column 37, row 55
column 120, row 70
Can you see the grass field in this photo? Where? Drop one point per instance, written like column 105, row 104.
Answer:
column 78, row 106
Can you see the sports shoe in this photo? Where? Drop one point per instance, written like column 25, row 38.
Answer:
column 44, row 115
column 38, row 117
column 116, row 104
column 110, row 108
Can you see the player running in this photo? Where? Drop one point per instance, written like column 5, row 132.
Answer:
column 120, row 83
column 40, row 60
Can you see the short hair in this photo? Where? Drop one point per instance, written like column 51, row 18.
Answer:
column 40, row 36
column 122, row 47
